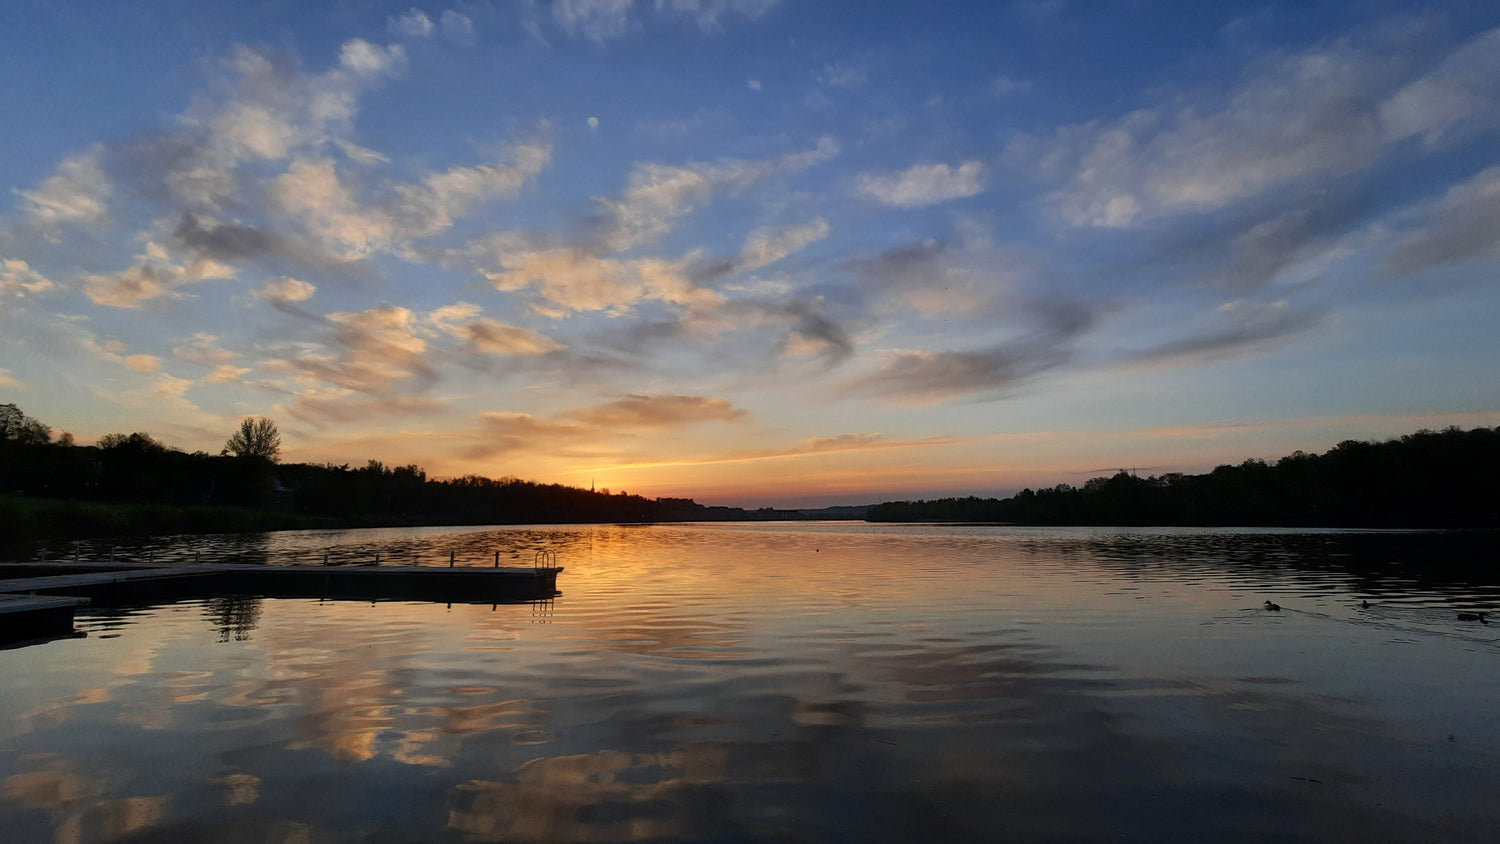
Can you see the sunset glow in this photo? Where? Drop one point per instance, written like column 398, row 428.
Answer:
column 754, row 252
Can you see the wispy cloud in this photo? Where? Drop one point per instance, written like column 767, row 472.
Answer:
column 486, row 336
column 635, row 412
column 154, row 274
column 18, row 280
column 1242, row 327
column 1463, row 224
column 842, row 75
column 413, row 24
column 597, row 430
column 571, row 280
column 77, row 193
column 1314, row 115
column 765, row 246
column 656, row 195
column 595, row 19
column 922, row 185
column 811, row 447
column 601, row 20
column 1004, row 85
column 921, row 376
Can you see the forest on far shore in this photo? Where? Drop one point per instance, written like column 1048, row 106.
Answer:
column 1429, row 479
column 51, row 487
column 127, row 484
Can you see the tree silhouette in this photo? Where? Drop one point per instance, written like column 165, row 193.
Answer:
column 257, row 437
column 18, row 427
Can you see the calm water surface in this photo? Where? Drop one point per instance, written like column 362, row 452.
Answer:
column 785, row 682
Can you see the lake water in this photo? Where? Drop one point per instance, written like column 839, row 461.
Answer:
column 786, row 682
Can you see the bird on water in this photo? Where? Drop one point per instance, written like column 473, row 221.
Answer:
column 1473, row 616
column 1364, row 605
column 1271, row 606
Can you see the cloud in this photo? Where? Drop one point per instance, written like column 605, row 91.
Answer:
column 595, row 19
column 486, row 336
column 204, row 349
column 369, row 61
column 766, row 246
column 380, row 353
column 1460, row 90
column 18, row 280
column 842, row 75
column 413, row 24
column 225, row 373
column 656, row 195
column 285, row 290
column 935, row 277
column 313, row 194
column 267, row 110
column 76, row 193
column 813, row 333
column 155, row 273
column 1245, row 326
column 813, row 446
column 922, row 185
column 1009, row 85
column 385, row 358
column 636, row 411
column 709, row 14
column 143, row 363
column 1295, row 120
column 1463, row 224
column 572, row 280
column 458, row 27
column 206, row 237
column 342, row 405
column 591, row 431
column 921, row 376
column 430, row 205
column 506, row 432
column 599, row 20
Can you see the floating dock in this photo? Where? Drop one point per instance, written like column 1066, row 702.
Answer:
column 36, row 616
column 38, row 599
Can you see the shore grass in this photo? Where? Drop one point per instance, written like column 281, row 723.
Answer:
column 30, row 519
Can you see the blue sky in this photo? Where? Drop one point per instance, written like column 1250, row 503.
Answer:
column 754, row 251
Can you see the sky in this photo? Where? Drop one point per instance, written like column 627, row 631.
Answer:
column 754, row 252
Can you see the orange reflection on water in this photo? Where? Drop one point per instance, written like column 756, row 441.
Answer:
column 547, row 797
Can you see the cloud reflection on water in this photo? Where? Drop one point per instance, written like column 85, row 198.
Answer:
column 765, row 683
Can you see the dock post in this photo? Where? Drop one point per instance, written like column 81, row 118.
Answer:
column 111, row 553
column 377, row 558
column 325, row 558
column 497, row 559
column 197, row 557
column 450, row 559
column 75, row 553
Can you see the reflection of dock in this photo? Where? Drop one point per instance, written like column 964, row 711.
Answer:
column 37, row 599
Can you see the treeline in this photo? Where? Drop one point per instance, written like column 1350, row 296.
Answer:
column 132, row 483
column 1428, row 479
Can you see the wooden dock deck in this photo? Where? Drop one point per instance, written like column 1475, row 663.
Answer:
column 38, row 599
column 36, row 616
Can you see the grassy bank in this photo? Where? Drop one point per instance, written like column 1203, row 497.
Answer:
column 29, row 520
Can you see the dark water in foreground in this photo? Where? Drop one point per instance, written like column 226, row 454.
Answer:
column 823, row 682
